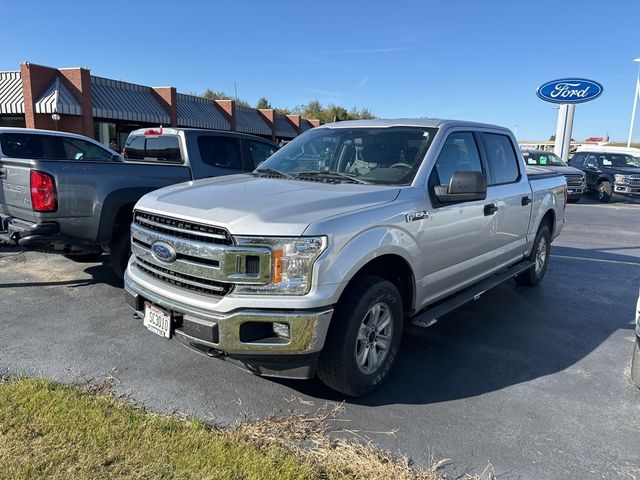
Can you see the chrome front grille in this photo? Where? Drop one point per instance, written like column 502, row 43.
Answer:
column 574, row 180
column 205, row 260
column 199, row 285
column 183, row 228
column 634, row 180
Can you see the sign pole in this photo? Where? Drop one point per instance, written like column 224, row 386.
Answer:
column 564, row 127
column 633, row 112
column 567, row 92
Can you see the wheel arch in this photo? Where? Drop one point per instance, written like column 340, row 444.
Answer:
column 549, row 218
column 117, row 209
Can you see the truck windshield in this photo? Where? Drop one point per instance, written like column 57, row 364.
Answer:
column 543, row 159
column 389, row 156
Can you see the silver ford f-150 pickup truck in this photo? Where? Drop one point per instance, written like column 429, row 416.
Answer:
column 313, row 262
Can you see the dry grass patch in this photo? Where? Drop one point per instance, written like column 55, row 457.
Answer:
column 61, row 432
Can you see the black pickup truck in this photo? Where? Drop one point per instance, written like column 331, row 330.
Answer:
column 576, row 182
column 609, row 174
column 68, row 194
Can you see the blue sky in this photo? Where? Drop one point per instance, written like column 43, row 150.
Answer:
column 475, row 60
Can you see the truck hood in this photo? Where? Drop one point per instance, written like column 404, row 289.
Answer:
column 622, row 170
column 248, row 205
column 563, row 170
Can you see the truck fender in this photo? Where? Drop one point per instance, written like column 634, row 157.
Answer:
column 342, row 266
column 605, row 177
column 111, row 206
column 542, row 207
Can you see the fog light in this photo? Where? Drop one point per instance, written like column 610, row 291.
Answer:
column 281, row 330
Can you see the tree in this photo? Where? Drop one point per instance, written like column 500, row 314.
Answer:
column 220, row 95
column 313, row 110
column 263, row 103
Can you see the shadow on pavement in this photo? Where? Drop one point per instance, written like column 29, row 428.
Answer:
column 512, row 334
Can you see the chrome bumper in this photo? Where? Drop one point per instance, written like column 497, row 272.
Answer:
column 308, row 328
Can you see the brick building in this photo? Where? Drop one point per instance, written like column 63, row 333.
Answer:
column 108, row 110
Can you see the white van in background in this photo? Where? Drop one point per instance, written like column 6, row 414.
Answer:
column 635, row 152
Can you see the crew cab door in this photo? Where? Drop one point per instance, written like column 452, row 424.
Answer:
column 592, row 170
column 458, row 239
column 510, row 194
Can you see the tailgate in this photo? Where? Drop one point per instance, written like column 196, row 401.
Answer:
column 15, row 189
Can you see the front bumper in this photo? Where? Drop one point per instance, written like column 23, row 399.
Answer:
column 626, row 190
column 575, row 192
column 225, row 335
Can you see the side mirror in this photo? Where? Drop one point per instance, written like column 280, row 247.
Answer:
column 116, row 157
column 464, row 186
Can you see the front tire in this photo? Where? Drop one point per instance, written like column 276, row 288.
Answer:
column 635, row 363
column 120, row 251
column 604, row 191
column 540, row 256
column 364, row 337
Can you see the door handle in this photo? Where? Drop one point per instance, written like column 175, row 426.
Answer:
column 3, row 173
column 526, row 201
column 490, row 209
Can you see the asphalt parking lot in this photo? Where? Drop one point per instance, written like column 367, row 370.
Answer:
column 533, row 380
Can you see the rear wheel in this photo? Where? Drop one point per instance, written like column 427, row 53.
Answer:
column 635, row 364
column 120, row 251
column 364, row 337
column 604, row 191
column 540, row 256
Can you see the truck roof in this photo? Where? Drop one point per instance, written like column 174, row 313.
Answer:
column 176, row 130
column 45, row 132
column 410, row 122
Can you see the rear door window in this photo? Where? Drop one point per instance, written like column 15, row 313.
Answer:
column 502, row 159
column 51, row 147
column 20, row 145
column 219, row 151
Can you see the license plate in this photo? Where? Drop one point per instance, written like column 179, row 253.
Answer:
column 157, row 320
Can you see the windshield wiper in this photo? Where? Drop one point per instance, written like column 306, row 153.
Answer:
column 272, row 171
column 332, row 175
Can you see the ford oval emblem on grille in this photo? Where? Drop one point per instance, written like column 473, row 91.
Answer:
column 163, row 252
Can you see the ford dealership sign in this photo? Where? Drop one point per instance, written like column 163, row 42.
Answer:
column 570, row 90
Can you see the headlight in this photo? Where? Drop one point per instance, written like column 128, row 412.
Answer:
column 292, row 262
column 619, row 178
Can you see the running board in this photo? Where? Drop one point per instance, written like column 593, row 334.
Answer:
column 430, row 316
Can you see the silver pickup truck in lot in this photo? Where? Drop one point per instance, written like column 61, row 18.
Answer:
column 313, row 262
column 66, row 193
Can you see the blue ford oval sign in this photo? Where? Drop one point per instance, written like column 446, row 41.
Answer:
column 163, row 252
column 570, row 90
